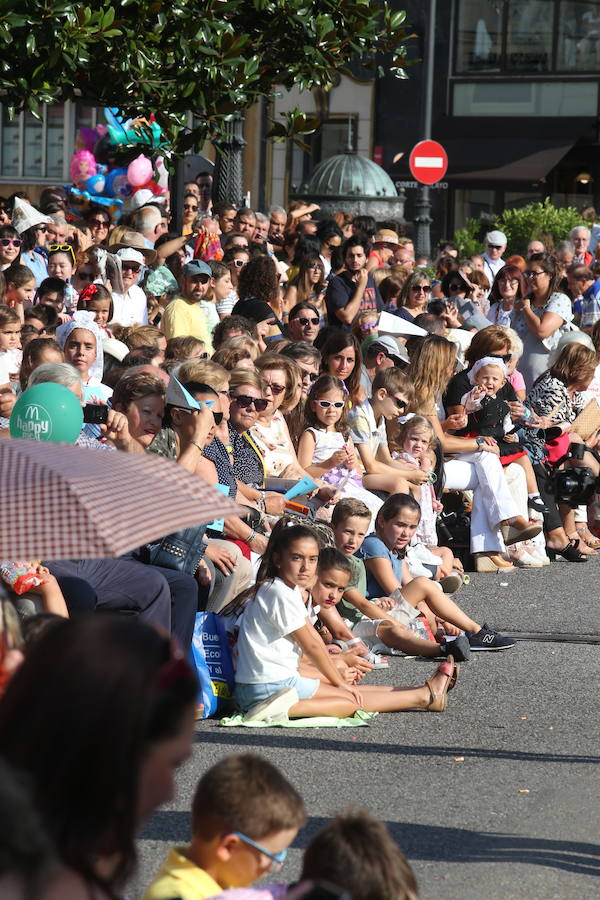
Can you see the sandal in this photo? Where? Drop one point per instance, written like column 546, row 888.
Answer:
column 570, row 553
column 586, row 535
column 439, row 699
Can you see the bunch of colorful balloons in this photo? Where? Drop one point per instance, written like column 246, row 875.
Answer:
column 110, row 185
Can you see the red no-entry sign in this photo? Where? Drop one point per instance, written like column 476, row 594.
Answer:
column 428, row 162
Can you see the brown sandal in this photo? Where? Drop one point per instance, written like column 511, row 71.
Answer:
column 439, row 699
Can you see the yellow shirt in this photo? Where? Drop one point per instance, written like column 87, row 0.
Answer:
column 185, row 317
column 181, row 879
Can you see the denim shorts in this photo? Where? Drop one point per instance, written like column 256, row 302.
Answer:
column 246, row 695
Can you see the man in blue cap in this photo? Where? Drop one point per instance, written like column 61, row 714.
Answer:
column 184, row 316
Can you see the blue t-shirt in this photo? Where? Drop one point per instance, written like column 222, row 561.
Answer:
column 374, row 548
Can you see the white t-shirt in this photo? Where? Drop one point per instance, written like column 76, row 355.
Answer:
column 130, row 308
column 265, row 652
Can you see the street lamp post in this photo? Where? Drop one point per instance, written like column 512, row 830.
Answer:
column 423, row 204
column 228, row 184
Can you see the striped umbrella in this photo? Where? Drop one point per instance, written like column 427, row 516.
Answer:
column 63, row 502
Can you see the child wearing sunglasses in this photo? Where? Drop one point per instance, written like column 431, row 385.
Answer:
column 245, row 815
column 325, row 449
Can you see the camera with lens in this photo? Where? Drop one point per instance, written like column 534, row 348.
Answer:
column 576, row 485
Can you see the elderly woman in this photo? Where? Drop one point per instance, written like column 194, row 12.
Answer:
column 542, row 317
column 557, row 397
column 141, row 399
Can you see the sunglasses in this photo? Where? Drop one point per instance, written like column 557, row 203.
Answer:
column 131, row 267
column 304, row 321
column 98, row 223
column 238, row 263
column 61, row 248
column 333, row 246
column 457, row 287
column 312, row 376
column 495, row 246
column 325, row 404
column 276, row 389
column 245, row 402
column 421, row 287
column 277, row 859
column 193, row 208
column 506, row 358
column 400, row 403
column 41, row 228
column 315, row 268
column 6, row 242
column 529, row 273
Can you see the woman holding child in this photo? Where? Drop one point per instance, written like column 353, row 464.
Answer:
column 495, row 522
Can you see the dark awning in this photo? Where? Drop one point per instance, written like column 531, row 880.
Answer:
column 524, row 158
column 530, row 167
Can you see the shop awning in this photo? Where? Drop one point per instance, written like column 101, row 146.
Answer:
column 525, row 159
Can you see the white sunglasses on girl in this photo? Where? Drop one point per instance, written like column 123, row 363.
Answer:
column 325, row 404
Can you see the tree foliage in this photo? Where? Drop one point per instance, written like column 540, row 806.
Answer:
column 208, row 57
column 539, row 221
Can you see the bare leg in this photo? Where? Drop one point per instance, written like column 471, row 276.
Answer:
column 399, row 638
column 525, row 463
column 557, row 539
column 330, row 700
column 441, row 604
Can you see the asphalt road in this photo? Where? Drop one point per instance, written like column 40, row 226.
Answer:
column 498, row 797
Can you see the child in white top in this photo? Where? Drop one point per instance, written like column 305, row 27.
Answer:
column 325, row 449
column 275, row 631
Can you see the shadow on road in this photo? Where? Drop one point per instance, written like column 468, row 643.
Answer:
column 245, row 738
column 431, row 843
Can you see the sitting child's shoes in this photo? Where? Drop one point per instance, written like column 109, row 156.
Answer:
column 519, row 530
column 451, row 582
column 488, row 639
column 458, row 647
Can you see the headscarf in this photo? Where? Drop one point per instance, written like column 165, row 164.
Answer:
column 82, row 318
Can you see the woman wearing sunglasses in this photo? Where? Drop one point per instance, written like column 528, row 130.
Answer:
column 309, row 285
column 10, row 246
column 414, row 296
column 62, row 264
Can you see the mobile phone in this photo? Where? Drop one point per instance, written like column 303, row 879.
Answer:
column 95, row 414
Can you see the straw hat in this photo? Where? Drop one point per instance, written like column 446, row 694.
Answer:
column 135, row 241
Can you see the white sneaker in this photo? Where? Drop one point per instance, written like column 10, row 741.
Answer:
column 273, row 707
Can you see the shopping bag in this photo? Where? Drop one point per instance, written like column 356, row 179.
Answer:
column 211, row 656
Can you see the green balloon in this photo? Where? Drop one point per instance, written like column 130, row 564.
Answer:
column 47, row 412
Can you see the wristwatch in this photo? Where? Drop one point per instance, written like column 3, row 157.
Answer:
column 480, row 442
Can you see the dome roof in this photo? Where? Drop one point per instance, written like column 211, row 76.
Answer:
column 348, row 174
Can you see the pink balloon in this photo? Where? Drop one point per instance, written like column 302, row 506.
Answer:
column 139, row 171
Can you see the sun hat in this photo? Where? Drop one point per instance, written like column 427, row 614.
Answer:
column 128, row 254
column 135, row 240
column 486, row 361
column 27, row 216
column 386, row 236
column 161, row 281
column 117, row 349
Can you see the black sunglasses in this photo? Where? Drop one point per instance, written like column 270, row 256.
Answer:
column 495, row 246
column 218, row 417
column 400, row 404
column 245, row 402
column 312, row 376
column 304, row 321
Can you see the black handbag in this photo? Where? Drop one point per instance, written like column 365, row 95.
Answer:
column 182, row 550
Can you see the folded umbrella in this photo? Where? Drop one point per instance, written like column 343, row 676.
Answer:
column 63, row 502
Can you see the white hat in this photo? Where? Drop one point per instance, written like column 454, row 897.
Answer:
column 26, row 216
column 486, row 361
column 140, row 198
column 128, row 254
column 115, row 348
column 496, row 237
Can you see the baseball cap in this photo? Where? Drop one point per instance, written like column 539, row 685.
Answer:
column 496, row 237
column 197, row 267
column 391, row 347
column 128, row 254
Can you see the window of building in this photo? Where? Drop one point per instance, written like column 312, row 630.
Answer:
column 525, row 98
column 534, row 36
